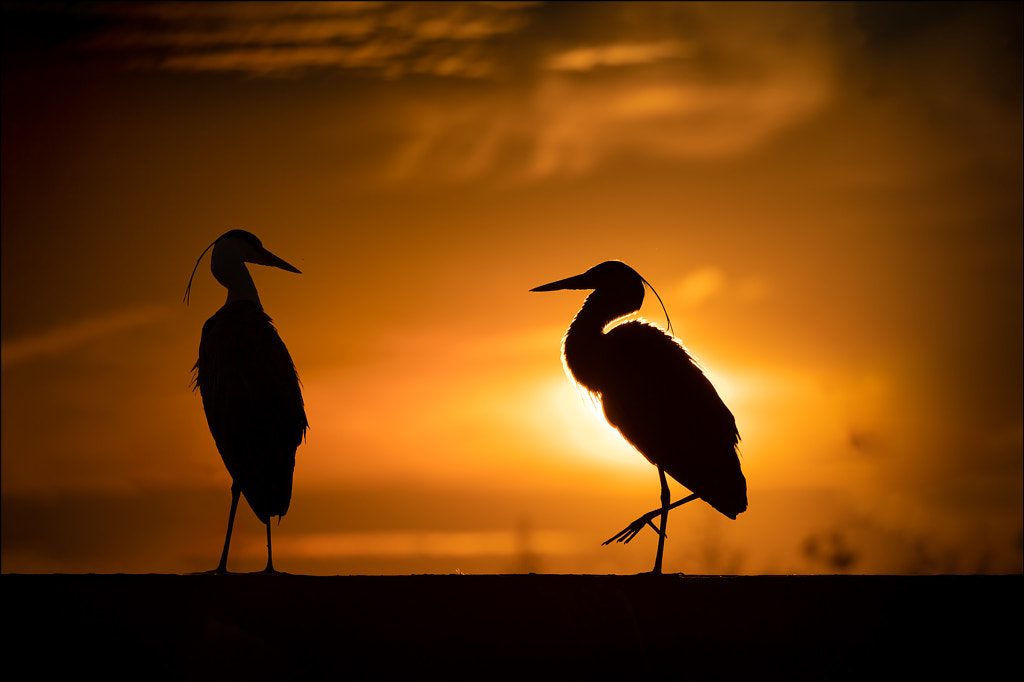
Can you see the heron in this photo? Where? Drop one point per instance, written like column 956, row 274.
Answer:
column 654, row 393
column 249, row 387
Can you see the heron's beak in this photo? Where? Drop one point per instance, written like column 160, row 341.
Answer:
column 577, row 282
column 264, row 257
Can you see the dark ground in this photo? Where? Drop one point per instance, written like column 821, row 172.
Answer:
column 510, row 627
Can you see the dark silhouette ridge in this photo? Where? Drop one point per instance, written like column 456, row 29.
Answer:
column 250, row 388
column 654, row 393
column 509, row 627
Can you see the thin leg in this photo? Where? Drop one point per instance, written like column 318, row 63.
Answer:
column 222, row 567
column 270, row 559
column 666, row 498
column 631, row 531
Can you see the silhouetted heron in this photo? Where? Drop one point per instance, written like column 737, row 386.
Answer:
column 654, row 393
column 249, row 386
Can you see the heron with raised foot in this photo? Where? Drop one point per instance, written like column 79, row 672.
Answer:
column 655, row 394
column 249, row 386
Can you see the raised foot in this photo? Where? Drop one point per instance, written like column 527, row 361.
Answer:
column 633, row 529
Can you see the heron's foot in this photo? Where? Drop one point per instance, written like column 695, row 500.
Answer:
column 220, row 570
column 633, row 529
column 269, row 571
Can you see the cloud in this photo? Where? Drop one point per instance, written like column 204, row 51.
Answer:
column 726, row 82
column 582, row 125
column 289, row 39
column 564, row 126
column 678, row 82
column 60, row 340
column 707, row 282
column 531, row 99
column 700, row 285
column 615, row 54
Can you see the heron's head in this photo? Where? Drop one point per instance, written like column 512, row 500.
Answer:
column 616, row 284
column 230, row 251
column 611, row 277
column 245, row 247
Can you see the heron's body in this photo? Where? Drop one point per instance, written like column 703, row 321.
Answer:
column 652, row 391
column 250, row 389
column 253, row 404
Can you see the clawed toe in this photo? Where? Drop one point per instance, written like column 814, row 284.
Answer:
column 624, row 535
column 632, row 530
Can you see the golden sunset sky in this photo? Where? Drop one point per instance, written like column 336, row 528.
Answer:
column 827, row 197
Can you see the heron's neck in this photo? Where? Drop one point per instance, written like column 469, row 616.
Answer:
column 582, row 347
column 233, row 275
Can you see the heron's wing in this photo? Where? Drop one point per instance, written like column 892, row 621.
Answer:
column 253, row 403
column 663, row 404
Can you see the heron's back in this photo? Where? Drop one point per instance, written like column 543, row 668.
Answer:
column 253, row 404
column 665, row 406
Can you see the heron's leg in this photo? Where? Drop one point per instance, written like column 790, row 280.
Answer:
column 222, row 567
column 633, row 529
column 270, row 560
column 666, row 498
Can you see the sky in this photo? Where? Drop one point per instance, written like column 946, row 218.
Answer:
column 826, row 196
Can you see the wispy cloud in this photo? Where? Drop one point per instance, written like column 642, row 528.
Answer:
column 704, row 82
column 65, row 338
column 288, row 39
column 616, row 54
column 708, row 282
column 662, row 80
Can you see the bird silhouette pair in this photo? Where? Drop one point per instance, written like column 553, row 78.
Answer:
column 651, row 390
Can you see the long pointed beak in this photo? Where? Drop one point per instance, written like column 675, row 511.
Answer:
column 577, row 282
column 264, row 257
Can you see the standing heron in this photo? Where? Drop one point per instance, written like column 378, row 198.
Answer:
column 249, row 386
column 654, row 393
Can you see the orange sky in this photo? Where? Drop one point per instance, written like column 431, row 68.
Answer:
column 826, row 197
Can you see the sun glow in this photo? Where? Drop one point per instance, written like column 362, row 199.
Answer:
column 570, row 415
